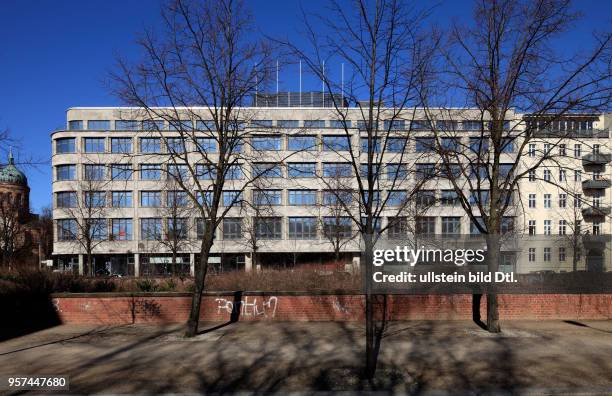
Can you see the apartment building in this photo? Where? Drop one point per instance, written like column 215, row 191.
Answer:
column 110, row 171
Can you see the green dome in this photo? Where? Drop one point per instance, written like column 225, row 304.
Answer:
column 10, row 174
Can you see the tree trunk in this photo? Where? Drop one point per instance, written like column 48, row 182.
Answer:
column 196, row 299
column 493, row 253
column 370, row 368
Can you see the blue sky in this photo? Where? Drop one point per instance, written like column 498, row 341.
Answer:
column 56, row 54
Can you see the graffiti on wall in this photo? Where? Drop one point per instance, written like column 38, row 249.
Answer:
column 249, row 306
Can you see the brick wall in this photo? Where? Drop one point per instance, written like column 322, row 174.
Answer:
column 173, row 308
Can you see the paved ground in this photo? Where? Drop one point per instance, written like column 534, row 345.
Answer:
column 415, row 357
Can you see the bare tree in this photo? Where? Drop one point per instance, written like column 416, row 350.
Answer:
column 14, row 241
column 500, row 64
column 387, row 55
column 201, row 70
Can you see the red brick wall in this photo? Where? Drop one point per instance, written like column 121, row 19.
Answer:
column 99, row 309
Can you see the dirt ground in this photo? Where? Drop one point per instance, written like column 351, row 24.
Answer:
column 436, row 358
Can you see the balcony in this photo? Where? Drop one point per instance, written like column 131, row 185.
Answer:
column 576, row 133
column 596, row 159
column 598, row 184
column 596, row 211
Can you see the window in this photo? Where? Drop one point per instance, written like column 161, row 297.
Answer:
column 532, row 255
column 480, row 197
column 121, row 145
column 340, row 124
column 200, row 228
column 507, row 225
column 398, row 227
column 451, row 225
column 97, row 229
column 596, row 149
column 121, row 199
column 474, row 230
column 93, row 172
column 425, row 144
column 268, row 227
column 234, row 172
column 397, row 172
column 66, row 199
column 547, row 175
column 532, row 175
column 337, row 227
column 546, row 148
column 376, row 145
column 394, row 125
column 420, row 125
column 302, row 197
column 472, row 125
column 562, row 175
column 302, row 227
column 260, row 123
column 504, row 170
column 425, row 225
column 207, row 125
column 449, row 144
column 479, row 145
column 532, row 150
column 288, row 123
column 180, row 125
column 65, row 172
column 425, row 171
column 396, row 145
column 150, row 172
column 150, row 145
column 204, row 198
column 206, row 171
column 562, row 254
column 177, row 199
column 547, row 254
column 449, row 198
column 75, row 125
column 451, row 171
column 232, row 228
column 151, row 229
column 376, row 223
column 532, row 201
column 397, row 198
column 337, row 197
column 66, row 230
column 375, row 198
column 562, row 200
column 65, row 146
column 596, row 228
column 231, row 198
column 121, row 229
column 562, row 150
column 301, row 169
column 577, row 175
column 562, row 227
column 150, row 199
column 301, row 143
column 268, row 170
column 153, row 125
column 93, row 145
column 266, row 143
column 314, row 123
column 178, row 172
column 577, row 150
column 547, row 227
column 425, row 198
column 532, row 227
column 577, row 200
column 175, row 145
column 336, row 143
column 177, row 228
column 547, row 201
column 94, row 199
column 479, row 172
column 337, row 169
column 207, row 145
column 121, row 171
column 98, row 125
column 267, row 197
column 126, row 125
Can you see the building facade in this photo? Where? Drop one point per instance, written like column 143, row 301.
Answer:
column 110, row 173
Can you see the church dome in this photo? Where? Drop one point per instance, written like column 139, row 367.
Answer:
column 10, row 174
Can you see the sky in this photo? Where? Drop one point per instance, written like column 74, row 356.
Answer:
column 57, row 54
